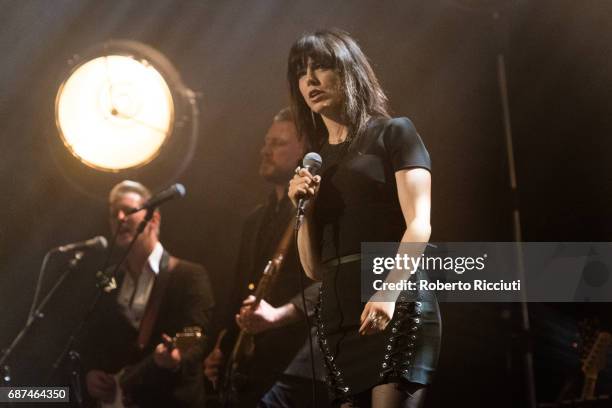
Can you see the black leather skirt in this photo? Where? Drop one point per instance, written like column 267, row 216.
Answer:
column 406, row 351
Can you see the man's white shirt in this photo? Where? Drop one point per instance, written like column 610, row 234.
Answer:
column 134, row 295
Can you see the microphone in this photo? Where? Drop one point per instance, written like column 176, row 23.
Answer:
column 312, row 162
column 174, row 191
column 97, row 243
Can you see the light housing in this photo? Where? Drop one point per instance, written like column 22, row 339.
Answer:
column 119, row 106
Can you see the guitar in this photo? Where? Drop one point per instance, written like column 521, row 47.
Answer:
column 234, row 379
column 125, row 378
column 593, row 363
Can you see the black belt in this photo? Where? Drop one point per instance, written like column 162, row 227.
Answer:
column 342, row 260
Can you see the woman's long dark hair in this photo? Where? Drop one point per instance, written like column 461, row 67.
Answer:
column 364, row 98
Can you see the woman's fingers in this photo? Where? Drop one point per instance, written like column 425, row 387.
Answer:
column 300, row 187
column 374, row 318
column 249, row 300
column 364, row 327
column 365, row 312
column 372, row 324
column 304, row 173
column 303, row 185
column 364, row 319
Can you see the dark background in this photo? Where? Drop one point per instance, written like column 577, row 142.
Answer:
column 437, row 61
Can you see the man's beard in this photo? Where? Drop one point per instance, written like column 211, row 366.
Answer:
column 276, row 176
column 124, row 239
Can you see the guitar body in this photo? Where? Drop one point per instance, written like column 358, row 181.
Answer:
column 236, row 374
column 119, row 401
column 124, row 379
column 259, row 361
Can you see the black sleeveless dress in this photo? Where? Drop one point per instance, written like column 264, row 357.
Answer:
column 358, row 202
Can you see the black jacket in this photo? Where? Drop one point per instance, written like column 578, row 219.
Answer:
column 109, row 341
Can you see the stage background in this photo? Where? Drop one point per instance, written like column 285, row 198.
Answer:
column 436, row 59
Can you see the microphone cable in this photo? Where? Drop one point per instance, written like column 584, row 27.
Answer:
column 306, row 317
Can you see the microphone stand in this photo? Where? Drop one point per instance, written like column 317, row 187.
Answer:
column 523, row 337
column 38, row 313
column 106, row 283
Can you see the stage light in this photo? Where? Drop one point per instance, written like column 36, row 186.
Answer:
column 117, row 108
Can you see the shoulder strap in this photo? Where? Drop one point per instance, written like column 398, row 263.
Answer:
column 155, row 299
column 259, row 213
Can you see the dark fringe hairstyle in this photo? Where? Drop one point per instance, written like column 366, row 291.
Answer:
column 364, row 98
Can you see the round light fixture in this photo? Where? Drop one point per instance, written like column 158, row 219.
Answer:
column 117, row 108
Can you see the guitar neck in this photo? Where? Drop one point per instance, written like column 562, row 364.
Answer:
column 588, row 389
column 593, row 363
column 131, row 375
column 266, row 283
column 243, row 346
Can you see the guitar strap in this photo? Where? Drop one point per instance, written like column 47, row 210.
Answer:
column 155, row 299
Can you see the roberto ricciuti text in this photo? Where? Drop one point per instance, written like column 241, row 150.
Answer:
column 477, row 284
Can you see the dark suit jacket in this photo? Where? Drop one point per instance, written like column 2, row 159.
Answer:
column 109, row 342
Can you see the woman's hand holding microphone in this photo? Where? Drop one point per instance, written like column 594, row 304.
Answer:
column 303, row 185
